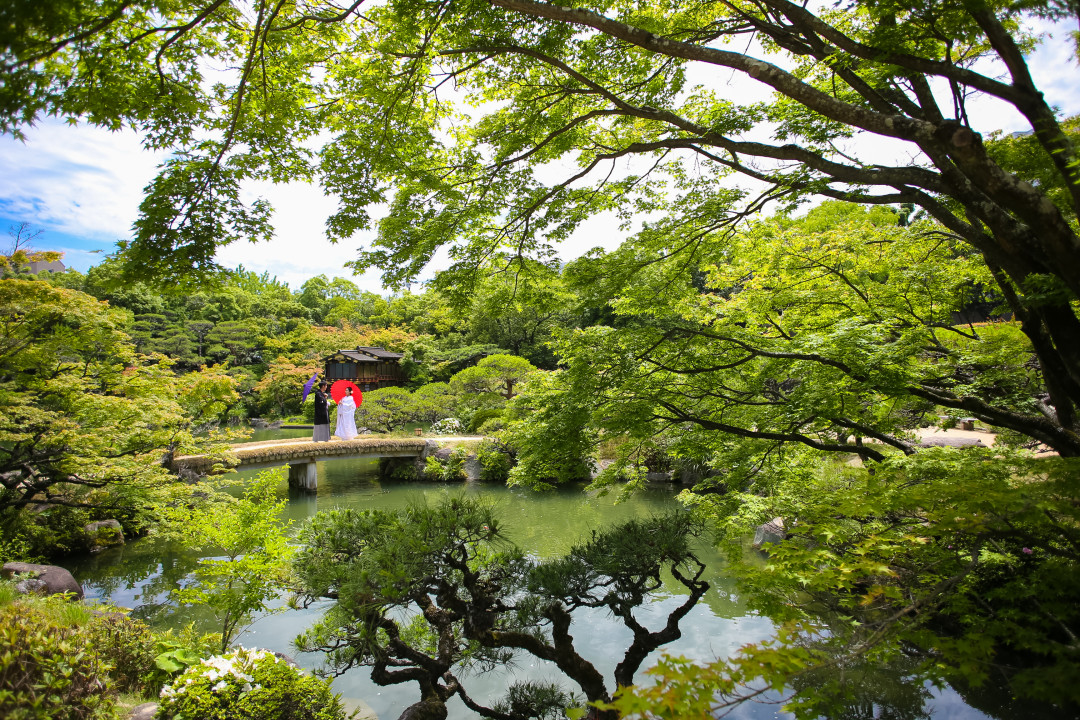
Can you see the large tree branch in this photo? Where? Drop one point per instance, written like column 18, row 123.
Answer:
column 677, row 414
column 784, row 82
column 1065, row 440
column 1033, row 105
column 701, row 135
column 803, row 18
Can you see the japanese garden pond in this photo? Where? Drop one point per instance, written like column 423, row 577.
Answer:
column 140, row 574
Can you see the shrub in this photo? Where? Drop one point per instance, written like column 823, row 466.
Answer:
column 494, row 463
column 48, row 671
column 16, row 547
column 54, row 532
column 175, row 652
column 249, row 684
column 482, row 416
column 492, row 425
column 128, row 645
column 7, row 592
column 450, row 470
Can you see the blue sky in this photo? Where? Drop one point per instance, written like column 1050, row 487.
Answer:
column 62, row 183
column 79, row 252
column 82, row 186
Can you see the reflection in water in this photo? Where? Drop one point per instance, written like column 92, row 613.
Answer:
column 140, row 575
column 872, row 690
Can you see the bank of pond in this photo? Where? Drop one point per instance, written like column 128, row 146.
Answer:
column 141, row 574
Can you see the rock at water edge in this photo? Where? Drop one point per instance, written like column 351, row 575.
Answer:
column 56, row 580
column 771, row 532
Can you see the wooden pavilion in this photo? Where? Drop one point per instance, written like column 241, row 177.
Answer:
column 369, row 367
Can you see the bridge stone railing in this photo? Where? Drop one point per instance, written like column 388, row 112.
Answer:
column 301, row 457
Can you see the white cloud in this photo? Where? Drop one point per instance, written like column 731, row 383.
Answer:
column 87, row 183
column 1054, row 66
column 300, row 248
column 82, row 181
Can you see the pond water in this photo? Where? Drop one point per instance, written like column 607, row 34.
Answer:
column 140, row 575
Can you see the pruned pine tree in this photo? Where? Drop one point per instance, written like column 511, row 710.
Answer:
column 428, row 594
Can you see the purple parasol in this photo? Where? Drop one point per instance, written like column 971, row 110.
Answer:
column 308, row 385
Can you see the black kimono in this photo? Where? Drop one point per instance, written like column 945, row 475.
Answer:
column 322, row 417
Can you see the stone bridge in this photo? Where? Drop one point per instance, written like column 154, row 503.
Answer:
column 301, row 455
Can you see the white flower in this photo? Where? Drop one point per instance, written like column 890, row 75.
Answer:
column 167, row 691
column 221, row 685
column 220, row 663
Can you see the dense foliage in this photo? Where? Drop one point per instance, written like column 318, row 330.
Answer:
column 960, row 562
column 47, row 673
column 837, row 334
column 62, row 659
column 550, row 99
column 66, row 660
column 86, row 423
column 821, row 333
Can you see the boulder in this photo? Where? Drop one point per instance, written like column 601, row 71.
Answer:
column 104, row 534
column 472, row 467
column 770, row 532
column 691, row 473
column 443, row 454
column 285, row 659
column 190, row 476
column 32, row 586
column 599, row 466
column 658, row 477
column 431, row 447
column 146, row 711
column 53, row 580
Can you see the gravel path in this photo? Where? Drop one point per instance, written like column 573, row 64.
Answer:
column 954, row 437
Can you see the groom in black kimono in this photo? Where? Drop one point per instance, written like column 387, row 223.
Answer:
column 322, row 414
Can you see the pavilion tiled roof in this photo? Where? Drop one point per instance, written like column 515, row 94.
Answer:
column 357, row 356
column 381, row 353
column 369, row 354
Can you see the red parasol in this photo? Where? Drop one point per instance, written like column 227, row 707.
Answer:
column 337, row 391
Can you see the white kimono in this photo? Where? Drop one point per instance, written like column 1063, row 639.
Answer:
column 346, row 423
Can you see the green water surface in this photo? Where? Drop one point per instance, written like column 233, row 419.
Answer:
column 140, row 575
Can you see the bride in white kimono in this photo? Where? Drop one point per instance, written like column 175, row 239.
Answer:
column 346, row 422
